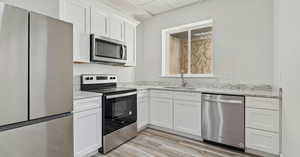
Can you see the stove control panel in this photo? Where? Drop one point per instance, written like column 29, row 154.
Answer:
column 98, row 78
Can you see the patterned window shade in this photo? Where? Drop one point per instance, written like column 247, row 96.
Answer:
column 201, row 59
column 190, row 50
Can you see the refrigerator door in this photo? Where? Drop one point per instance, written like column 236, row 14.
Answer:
column 13, row 64
column 51, row 67
column 53, row 138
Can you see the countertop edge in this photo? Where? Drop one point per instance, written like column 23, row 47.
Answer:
column 78, row 95
column 214, row 91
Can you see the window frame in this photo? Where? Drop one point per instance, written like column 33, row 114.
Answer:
column 165, row 47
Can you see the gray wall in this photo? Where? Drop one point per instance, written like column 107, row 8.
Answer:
column 46, row 7
column 287, row 49
column 243, row 44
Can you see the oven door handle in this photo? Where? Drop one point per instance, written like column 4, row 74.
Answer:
column 120, row 95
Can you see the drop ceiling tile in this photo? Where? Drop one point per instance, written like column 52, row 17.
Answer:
column 140, row 2
column 157, row 6
column 147, row 8
column 181, row 3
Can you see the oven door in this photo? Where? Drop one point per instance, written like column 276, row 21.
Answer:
column 107, row 50
column 120, row 110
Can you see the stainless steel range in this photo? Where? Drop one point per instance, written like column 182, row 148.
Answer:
column 119, row 114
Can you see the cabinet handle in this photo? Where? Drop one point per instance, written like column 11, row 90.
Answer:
column 224, row 101
column 121, row 32
column 106, row 26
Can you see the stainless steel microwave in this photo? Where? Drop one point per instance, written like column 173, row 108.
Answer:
column 108, row 50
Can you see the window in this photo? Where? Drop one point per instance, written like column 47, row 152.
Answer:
column 188, row 50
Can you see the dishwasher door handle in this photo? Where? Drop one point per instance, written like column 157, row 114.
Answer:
column 224, row 101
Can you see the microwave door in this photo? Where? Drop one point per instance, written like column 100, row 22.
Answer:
column 107, row 51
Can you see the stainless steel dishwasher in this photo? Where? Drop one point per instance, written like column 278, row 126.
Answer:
column 223, row 119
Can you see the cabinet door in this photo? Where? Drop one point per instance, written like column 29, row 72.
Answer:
column 143, row 112
column 87, row 132
column 130, row 37
column 161, row 112
column 77, row 12
column 263, row 141
column 187, row 117
column 116, row 28
column 99, row 23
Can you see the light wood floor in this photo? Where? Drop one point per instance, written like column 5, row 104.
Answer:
column 153, row 143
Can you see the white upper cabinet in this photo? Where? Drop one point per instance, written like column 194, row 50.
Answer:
column 130, row 40
column 99, row 22
column 116, row 24
column 77, row 12
column 89, row 17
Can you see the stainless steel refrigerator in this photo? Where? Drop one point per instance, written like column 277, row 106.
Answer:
column 36, row 71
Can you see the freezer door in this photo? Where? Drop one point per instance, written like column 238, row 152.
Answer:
column 51, row 67
column 13, row 64
column 53, row 138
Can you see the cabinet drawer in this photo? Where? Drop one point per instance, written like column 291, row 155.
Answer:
column 88, row 103
column 262, row 119
column 142, row 98
column 142, row 93
column 161, row 94
column 189, row 96
column 262, row 141
column 262, row 103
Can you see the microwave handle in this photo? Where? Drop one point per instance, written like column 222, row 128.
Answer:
column 123, row 52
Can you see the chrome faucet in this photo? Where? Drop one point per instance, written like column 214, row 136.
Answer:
column 183, row 82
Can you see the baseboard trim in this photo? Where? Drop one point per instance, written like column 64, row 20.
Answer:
column 142, row 128
column 178, row 133
column 281, row 155
column 260, row 153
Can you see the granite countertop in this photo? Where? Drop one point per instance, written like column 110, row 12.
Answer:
column 270, row 93
column 82, row 95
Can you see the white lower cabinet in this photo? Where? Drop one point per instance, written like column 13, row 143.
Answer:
column 262, row 141
column 161, row 112
column 263, row 125
column 178, row 111
column 187, row 117
column 87, row 126
column 142, row 109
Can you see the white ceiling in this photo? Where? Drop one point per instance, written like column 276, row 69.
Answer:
column 144, row 9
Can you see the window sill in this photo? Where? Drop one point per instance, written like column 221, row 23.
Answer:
column 190, row 76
